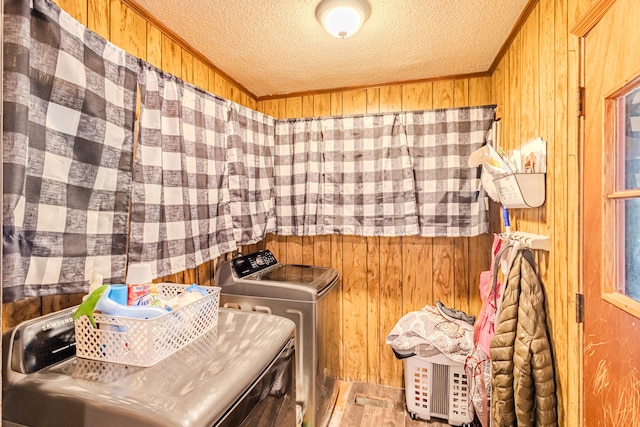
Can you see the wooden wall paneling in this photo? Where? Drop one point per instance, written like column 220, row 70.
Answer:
column 234, row 93
column 391, row 291
column 154, row 45
column 514, row 96
column 211, row 86
column 572, row 398
column 375, row 333
column 530, row 100
column 391, row 98
column 534, row 81
column 186, row 66
column 128, row 29
column 322, row 105
column 443, row 92
column 461, row 280
column 307, row 106
column 99, row 17
column 417, row 265
column 547, row 34
column 221, row 87
column 76, row 8
column 417, row 96
column 252, row 103
column 171, row 56
column 417, row 276
column 200, row 74
column 479, row 91
column 461, row 93
column 375, row 328
column 335, row 363
column 354, row 302
column 566, row 261
column 577, row 9
column 391, row 273
column 354, row 282
column 53, row 303
column 204, row 274
column 17, row 312
column 442, row 270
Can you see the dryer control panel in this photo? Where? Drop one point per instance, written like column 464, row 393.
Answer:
column 252, row 263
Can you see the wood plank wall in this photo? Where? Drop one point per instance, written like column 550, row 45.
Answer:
column 383, row 278
column 124, row 26
column 536, row 84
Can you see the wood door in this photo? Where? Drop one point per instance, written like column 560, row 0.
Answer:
column 611, row 318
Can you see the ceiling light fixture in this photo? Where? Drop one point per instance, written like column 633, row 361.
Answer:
column 342, row 18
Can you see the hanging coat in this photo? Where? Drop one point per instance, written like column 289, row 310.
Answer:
column 523, row 382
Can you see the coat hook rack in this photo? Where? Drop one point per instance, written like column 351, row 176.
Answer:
column 531, row 241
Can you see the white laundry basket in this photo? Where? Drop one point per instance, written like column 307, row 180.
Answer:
column 436, row 386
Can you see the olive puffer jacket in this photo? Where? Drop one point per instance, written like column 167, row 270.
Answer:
column 523, row 382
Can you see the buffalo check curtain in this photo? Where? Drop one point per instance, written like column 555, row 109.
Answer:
column 299, row 177
column 390, row 174
column 449, row 198
column 250, row 144
column 181, row 213
column 68, row 105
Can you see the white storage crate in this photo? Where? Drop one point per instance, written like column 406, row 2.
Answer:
column 145, row 342
column 437, row 386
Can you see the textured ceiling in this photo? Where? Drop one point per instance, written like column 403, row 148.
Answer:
column 274, row 47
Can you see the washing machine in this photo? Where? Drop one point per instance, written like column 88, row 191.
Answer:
column 238, row 374
column 258, row 282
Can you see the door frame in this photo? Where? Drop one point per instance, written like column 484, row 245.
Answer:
column 581, row 29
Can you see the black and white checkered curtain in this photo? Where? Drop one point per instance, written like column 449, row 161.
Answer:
column 181, row 214
column 448, row 193
column 67, row 151
column 390, row 174
column 368, row 184
column 299, row 177
column 250, row 142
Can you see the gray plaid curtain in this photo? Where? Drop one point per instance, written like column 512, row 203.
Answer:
column 299, row 177
column 450, row 202
column 390, row 174
column 67, row 150
column 250, row 142
column 368, row 184
column 181, row 213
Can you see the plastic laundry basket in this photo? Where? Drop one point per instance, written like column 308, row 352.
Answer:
column 436, row 386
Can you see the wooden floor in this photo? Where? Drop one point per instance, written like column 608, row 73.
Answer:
column 365, row 405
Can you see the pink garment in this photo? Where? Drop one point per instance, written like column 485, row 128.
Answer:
column 485, row 325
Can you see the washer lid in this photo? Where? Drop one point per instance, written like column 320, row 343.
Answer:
column 283, row 282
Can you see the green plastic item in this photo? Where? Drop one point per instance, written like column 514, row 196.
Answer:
column 88, row 306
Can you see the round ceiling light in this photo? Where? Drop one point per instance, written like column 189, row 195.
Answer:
column 342, row 18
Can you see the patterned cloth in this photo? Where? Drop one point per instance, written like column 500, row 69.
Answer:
column 427, row 333
column 299, row 183
column 368, row 183
column 450, row 203
column 250, row 161
column 181, row 214
column 344, row 175
column 67, row 151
